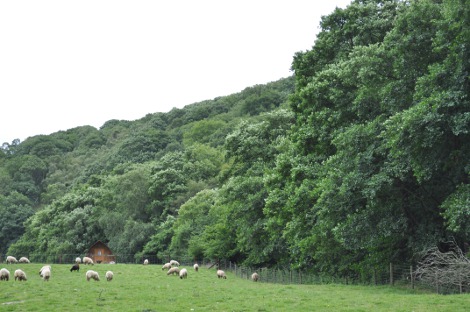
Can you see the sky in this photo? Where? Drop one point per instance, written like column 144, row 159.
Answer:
column 65, row 64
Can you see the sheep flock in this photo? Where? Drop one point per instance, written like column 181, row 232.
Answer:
column 172, row 268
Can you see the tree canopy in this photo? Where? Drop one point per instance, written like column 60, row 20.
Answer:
column 359, row 159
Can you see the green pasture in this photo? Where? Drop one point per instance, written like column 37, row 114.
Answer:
column 148, row 288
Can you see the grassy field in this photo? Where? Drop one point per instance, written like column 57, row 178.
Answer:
column 148, row 288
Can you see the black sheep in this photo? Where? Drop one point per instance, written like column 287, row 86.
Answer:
column 75, row 267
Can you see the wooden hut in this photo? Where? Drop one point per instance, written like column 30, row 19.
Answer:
column 100, row 253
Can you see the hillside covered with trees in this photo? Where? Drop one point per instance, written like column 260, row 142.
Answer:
column 361, row 158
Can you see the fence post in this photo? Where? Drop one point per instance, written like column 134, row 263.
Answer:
column 300, row 276
column 391, row 273
column 412, row 278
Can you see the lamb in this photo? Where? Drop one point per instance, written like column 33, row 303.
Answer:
column 196, row 267
column 46, row 273
column 255, row 277
column 23, row 260
column 20, row 275
column 173, row 271
column 146, row 261
column 90, row 274
column 183, row 273
column 221, row 274
column 4, row 275
column 109, row 276
column 166, row 266
column 43, row 268
column 78, row 260
column 87, row 260
column 75, row 267
column 11, row 259
column 174, row 263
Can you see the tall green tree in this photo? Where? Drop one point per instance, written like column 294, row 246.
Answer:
column 369, row 166
column 15, row 209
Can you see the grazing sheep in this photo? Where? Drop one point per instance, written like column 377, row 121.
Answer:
column 112, row 262
column 87, row 260
column 11, row 259
column 166, row 266
column 196, row 267
column 92, row 274
column 4, row 275
column 183, row 273
column 255, row 277
column 221, row 274
column 46, row 274
column 109, row 276
column 78, row 260
column 20, row 275
column 43, row 268
column 174, row 263
column 173, row 271
column 75, row 267
column 23, row 260
column 146, row 261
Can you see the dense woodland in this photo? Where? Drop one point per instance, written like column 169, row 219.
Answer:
column 359, row 159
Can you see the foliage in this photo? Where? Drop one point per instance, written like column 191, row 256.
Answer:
column 372, row 148
column 15, row 208
column 359, row 159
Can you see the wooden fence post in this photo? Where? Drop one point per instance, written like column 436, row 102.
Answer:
column 412, row 278
column 391, row 273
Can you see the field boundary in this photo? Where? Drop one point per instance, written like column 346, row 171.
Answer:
column 401, row 275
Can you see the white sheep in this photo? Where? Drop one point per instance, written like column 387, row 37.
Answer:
column 46, row 274
column 183, row 273
column 255, row 277
column 4, row 275
column 23, row 260
column 221, row 274
column 44, row 268
column 90, row 274
column 174, row 270
column 20, row 275
column 196, row 267
column 166, row 266
column 109, row 276
column 78, row 260
column 87, row 260
column 174, row 263
column 11, row 259
column 146, row 261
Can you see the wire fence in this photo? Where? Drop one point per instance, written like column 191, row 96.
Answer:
column 393, row 274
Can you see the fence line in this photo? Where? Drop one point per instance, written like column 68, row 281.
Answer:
column 394, row 275
column 399, row 275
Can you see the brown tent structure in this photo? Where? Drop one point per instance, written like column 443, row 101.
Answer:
column 100, row 253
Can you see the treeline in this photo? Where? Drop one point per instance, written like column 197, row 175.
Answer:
column 360, row 159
